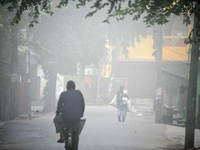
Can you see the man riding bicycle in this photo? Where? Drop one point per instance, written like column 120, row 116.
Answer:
column 70, row 109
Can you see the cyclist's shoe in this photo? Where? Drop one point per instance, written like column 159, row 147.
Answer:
column 61, row 141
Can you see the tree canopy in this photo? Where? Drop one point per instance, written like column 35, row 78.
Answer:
column 150, row 11
column 156, row 11
column 69, row 38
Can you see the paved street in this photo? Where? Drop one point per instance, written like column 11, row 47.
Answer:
column 102, row 131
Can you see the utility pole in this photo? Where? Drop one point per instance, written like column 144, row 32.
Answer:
column 14, row 74
column 28, row 70
column 158, row 96
column 192, row 89
column 115, row 56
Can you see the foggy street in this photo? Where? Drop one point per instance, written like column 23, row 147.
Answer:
column 102, row 131
column 82, row 54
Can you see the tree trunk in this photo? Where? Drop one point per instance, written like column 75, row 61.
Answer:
column 192, row 89
column 14, row 74
column 158, row 98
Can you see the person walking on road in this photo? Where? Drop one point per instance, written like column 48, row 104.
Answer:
column 122, row 98
column 70, row 108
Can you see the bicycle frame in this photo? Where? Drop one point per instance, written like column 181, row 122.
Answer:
column 69, row 128
column 68, row 136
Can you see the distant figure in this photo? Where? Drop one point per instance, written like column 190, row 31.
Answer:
column 122, row 98
column 70, row 108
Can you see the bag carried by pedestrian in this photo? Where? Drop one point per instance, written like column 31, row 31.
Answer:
column 114, row 101
column 124, row 100
column 129, row 106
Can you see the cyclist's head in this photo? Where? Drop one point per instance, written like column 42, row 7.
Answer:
column 70, row 85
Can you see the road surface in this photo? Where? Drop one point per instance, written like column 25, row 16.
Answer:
column 102, row 131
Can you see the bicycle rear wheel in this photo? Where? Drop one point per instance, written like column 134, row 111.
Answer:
column 68, row 140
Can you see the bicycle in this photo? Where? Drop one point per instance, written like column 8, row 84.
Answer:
column 68, row 136
column 68, row 131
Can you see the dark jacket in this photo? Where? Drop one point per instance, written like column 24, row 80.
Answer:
column 119, row 99
column 71, row 105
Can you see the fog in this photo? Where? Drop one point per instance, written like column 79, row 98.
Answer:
column 101, row 57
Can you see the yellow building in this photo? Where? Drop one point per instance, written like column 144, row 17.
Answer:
column 139, row 69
